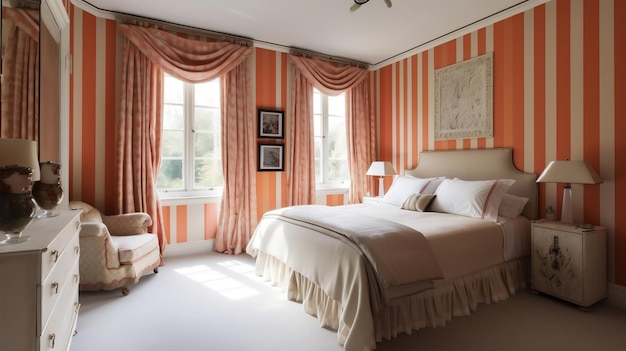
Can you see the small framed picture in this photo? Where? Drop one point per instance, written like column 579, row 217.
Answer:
column 271, row 157
column 271, row 124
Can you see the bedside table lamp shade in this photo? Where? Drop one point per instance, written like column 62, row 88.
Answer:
column 381, row 169
column 569, row 172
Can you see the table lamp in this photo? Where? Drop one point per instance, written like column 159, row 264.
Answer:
column 381, row 169
column 568, row 172
column 20, row 152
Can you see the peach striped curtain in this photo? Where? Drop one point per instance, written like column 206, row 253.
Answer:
column 330, row 79
column 20, row 78
column 138, row 138
column 237, row 218
column 198, row 60
column 361, row 130
column 300, row 145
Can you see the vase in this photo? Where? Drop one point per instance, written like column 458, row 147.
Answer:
column 17, row 207
column 48, row 192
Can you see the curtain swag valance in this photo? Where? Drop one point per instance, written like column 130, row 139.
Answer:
column 191, row 60
column 329, row 78
column 26, row 20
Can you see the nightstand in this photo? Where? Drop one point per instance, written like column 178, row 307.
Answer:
column 568, row 261
column 372, row 199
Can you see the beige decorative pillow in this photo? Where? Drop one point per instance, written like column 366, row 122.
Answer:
column 418, row 202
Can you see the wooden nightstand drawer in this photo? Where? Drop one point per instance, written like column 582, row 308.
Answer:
column 569, row 262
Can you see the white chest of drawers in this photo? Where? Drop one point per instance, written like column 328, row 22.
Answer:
column 39, row 286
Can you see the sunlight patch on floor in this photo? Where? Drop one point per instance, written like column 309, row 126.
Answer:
column 219, row 282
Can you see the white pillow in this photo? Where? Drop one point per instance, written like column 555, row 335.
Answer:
column 432, row 186
column 478, row 198
column 402, row 187
column 512, row 206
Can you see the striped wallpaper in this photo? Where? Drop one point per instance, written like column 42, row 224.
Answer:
column 557, row 93
column 555, row 96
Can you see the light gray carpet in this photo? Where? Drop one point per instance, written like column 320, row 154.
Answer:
column 215, row 302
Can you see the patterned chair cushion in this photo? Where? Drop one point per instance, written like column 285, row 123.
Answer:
column 133, row 247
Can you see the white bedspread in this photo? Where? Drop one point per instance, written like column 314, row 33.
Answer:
column 389, row 248
column 461, row 246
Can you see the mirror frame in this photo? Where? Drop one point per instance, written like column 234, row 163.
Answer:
column 54, row 16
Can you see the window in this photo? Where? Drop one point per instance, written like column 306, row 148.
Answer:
column 191, row 163
column 331, row 151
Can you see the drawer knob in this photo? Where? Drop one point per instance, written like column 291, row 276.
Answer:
column 55, row 287
column 55, row 254
column 52, row 338
column 77, row 249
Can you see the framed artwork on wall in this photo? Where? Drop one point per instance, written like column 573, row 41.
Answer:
column 464, row 99
column 271, row 124
column 271, row 157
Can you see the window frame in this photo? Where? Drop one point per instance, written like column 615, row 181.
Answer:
column 188, row 159
column 325, row 184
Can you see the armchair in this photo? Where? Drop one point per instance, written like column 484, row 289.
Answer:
column 115, row 250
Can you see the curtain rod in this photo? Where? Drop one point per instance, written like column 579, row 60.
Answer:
column 307, row 53
column 137, row 20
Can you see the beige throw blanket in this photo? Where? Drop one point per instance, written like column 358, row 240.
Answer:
column 400, row 260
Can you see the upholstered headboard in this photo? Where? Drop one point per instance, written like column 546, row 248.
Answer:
column 480, row 164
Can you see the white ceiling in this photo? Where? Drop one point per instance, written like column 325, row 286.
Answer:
column 373, row 34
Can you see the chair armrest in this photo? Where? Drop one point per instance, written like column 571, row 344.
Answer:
column 96, row 245
column 128, row 223
column 94, row 229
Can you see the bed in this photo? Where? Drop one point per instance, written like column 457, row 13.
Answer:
column 361, row 286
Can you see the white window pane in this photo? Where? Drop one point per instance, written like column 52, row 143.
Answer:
column 338, row 170
column 173, row 116
column 317, row 103
column 337, row 147
column 171, row 174
column 173, row 90
column 207, row 145
column 318, row 126
column 172, row 143
column 208, row 173
column 337, row 105
column 206, row 118
column 208, row 94
column 318, row 171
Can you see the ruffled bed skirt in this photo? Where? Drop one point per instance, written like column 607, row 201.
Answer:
column 430, row 308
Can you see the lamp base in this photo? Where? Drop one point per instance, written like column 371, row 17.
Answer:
column 381, row 186
column 566, row 209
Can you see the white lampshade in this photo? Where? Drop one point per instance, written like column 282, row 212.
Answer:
column 569, row 172
column 381, row 168
column 20, row 152
column 573, row 172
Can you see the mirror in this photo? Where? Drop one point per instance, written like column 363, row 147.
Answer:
column 40, row 109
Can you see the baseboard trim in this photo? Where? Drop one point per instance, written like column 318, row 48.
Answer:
column 616, row 296
column 188, row 248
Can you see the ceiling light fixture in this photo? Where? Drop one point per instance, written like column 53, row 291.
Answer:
column 358, row 3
